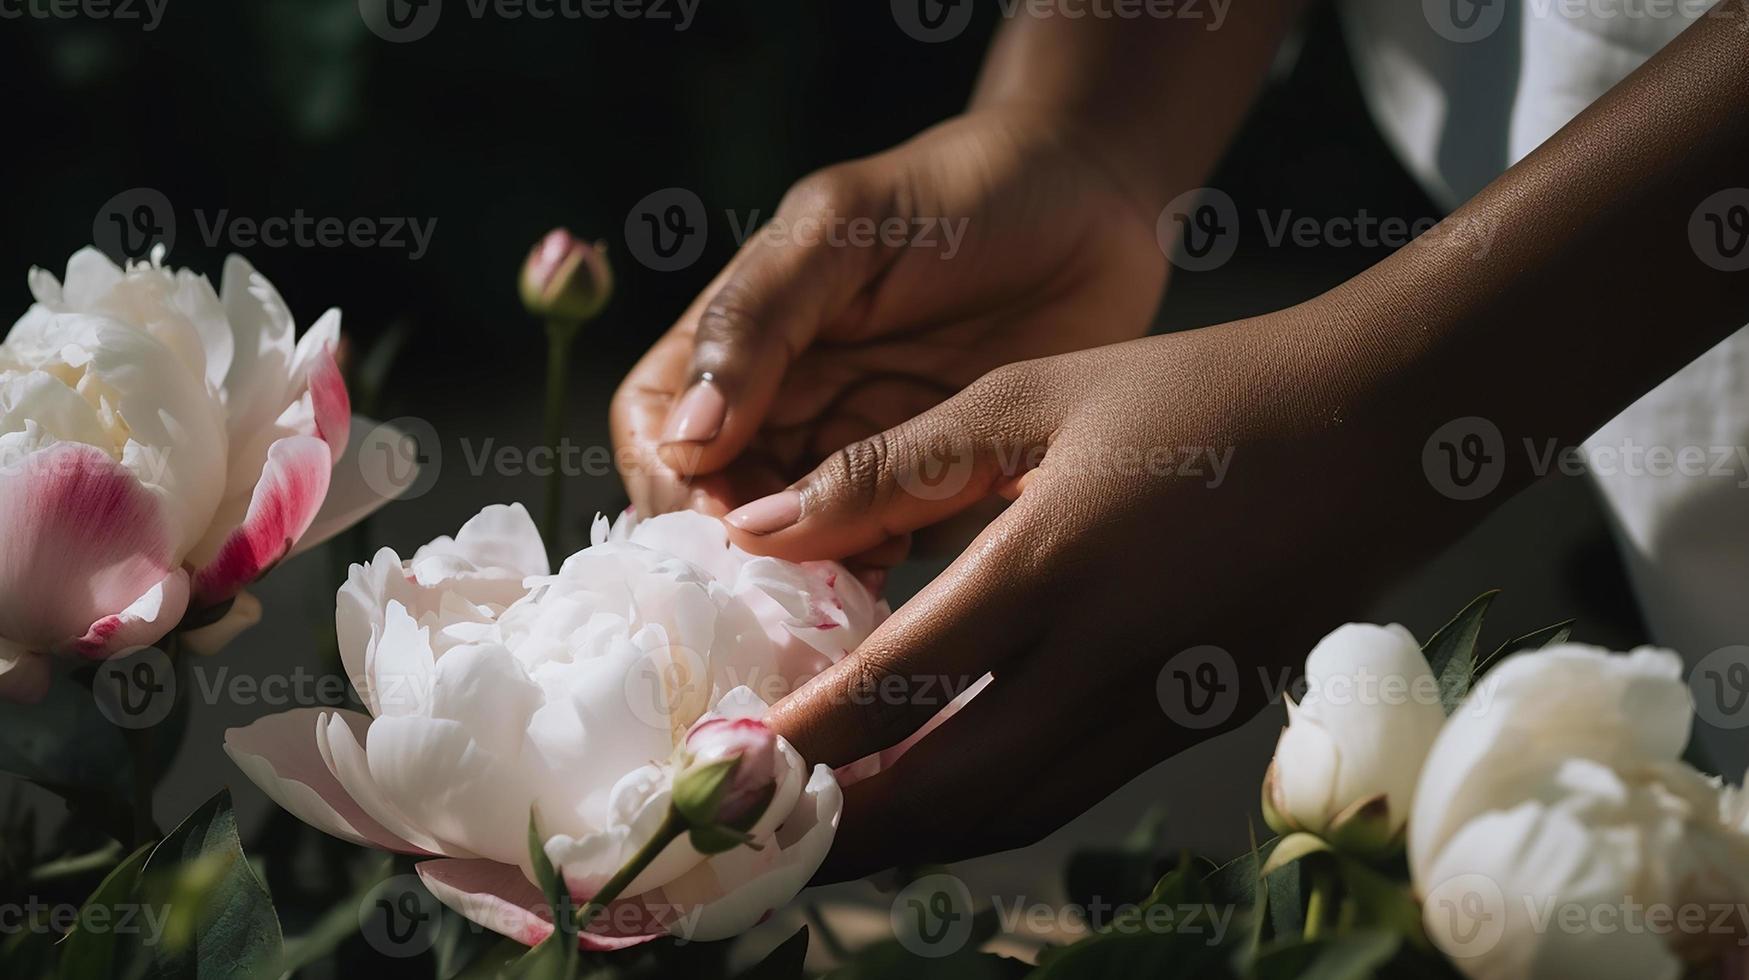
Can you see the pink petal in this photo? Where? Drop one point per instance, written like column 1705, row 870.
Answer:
column 82, row 540
column 292, row 486
column 365, row 478
column 332, row 406
column 499, row 897
column 144, row 621
column 279, row 754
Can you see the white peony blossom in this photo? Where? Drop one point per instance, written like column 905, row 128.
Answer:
column 493, row 687
column 1556, row 833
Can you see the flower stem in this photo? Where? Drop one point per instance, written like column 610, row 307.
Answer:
column 560, row 334
column 672, row 826
column 1320, row 904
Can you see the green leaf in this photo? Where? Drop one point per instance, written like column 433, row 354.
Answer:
column 221, row 921
column 91, row 952
column 784, row 962
column 556, row 956
column 1548, row 636
column 1374, row 901
column 1292, row 848
column 1236, row 883
column 1355, row 956
column 1451, row 653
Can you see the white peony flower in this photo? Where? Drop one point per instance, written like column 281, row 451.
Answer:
column 493, row 687
column 1346, row 764
column 161, row 445
column 1556, row 832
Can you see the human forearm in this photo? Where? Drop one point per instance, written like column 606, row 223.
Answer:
column 1158, row 97
column 1569, row 286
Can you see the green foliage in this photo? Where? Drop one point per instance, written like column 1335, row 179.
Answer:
column 1451, row 652
column 221, row 921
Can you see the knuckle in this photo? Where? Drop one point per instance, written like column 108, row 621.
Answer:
column 834, row 188
column 987, row 405
column 856, row 474
column 725, row 324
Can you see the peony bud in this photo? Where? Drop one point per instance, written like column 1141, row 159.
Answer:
column 566, row 278
column 1346, row 764
column 728, row 778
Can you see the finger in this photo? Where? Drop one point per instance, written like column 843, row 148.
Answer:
column 965, row 623
column 908, row 477
column 635, row 425
column 786, row 282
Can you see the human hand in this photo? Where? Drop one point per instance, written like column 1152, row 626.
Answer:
column 1196, row 488
column 811, row 341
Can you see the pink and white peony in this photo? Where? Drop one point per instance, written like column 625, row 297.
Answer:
column 1557, row 833
column 494, row 689
column 161, row 446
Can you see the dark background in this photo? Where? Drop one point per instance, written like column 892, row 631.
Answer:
column 499, row 129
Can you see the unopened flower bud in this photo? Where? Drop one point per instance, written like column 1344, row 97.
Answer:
column 727, row 779
column 566, row 278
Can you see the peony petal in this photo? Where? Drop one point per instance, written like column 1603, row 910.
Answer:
column 361, row 478
column 279, row 753
column 1496, row 901
column 341, row 737
column 1307, row 766
column 1511, row 733
column 83, row 540
column 292, row 486
column 257, row 386
column 145, row 620
column 733, row 891
column 330, row 403
column 499, row 537
column 499, row 897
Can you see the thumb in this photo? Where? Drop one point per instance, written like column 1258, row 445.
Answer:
column 787, row 282
column 979, row 442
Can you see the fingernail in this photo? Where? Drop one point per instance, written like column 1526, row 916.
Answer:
column 698, row 415
column 768, row 514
